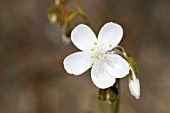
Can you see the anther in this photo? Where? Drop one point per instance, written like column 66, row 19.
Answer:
column 92, row 57
column 105, row 57
column 95, row 43
column 110, row 45
column 92, row 49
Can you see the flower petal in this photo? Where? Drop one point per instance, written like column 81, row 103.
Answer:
column 100, row 76
column 83, row 37
column 110, row 35
column 116, row 66
column 77, row 63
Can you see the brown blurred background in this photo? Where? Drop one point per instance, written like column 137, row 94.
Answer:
column 32, row 78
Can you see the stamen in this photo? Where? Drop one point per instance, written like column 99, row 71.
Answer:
column 110, row 45
column 105, row 57
column 92, row 57
column 95, row 43
column 92, row 49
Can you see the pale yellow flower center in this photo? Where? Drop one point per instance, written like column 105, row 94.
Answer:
column 98, row 52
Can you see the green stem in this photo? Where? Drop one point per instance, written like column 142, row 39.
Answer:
column 81, row 12
column 131, row 62
column 101, row 106
column 121, row 50
column 114, row 107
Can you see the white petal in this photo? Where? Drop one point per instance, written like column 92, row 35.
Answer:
column 100, row 76
column 116, row 66
column 134, row 86
column 83, row 37
column 77, row 63
column 110, row 34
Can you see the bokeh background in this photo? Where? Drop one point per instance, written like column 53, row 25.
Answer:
column 32, row 78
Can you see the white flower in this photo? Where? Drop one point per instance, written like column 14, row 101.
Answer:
column 134, row 86
column 95, row 53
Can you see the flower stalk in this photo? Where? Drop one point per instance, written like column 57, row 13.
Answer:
column 101, row 106
column 114, row 106
column 81, row 12
column 112, row 96
column 134, row 82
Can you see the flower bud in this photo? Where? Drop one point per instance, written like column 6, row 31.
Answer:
column 52, row 16
column 134, row 85
column 111, row 97
column 102, row 94
column 112, row 94
column 66, row 39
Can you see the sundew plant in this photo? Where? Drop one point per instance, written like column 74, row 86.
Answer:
column 101, row 53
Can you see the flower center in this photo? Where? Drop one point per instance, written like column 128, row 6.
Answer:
column 98, row 53
column 99, row 56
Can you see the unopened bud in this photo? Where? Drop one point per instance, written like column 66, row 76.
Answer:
column 52, row 16
column 66, row 39
column 111, row 95
column 102, row 94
